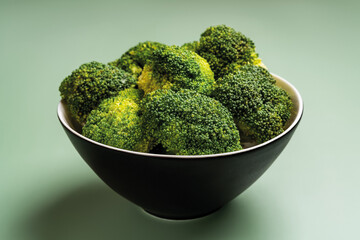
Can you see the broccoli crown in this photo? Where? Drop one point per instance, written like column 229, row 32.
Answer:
column 92, row 82
column 259, row 107
column 221, row 46
column 133, row 61
column 173, row 67
column 259, row 73
column 116, row 122
column 189, row 123
column 262, row 125
column 191, row 46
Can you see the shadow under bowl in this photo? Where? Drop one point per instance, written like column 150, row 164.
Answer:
column 181, row 187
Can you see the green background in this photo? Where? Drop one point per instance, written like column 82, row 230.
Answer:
column 48, row 192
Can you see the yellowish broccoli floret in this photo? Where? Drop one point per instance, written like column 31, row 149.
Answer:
column 134, row 60
column 88, row 85
column 116, row 122
column 172, row 67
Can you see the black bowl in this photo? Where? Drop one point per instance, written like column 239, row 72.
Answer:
column 181, row 187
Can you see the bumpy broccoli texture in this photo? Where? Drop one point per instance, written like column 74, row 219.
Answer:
column 191, row 46
column 224, row 48
column 88, row 85
column 172, row 67
column 116, row 122
column 134, row 60
column 259, row 107
column 209, row 96
column 189, row 123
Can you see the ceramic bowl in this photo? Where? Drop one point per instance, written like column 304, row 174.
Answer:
column 181, row 187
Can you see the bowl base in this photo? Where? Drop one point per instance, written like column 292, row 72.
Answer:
column 180, row 217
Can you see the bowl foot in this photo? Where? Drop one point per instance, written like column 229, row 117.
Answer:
column 180, row 217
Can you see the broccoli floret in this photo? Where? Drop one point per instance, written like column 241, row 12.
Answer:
column 191, row 46
column 116, row 122
column 189, row 123
column 259, row 107
column 175, row 68
column 92, row 82
column 257, row 71
column 133, row 61
column 262, row 125
column 222, row 46
column 270, row 93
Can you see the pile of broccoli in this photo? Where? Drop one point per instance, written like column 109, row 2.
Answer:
column 208, row 96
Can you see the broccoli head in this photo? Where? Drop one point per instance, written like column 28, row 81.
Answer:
column 189, row 123
column 191, row 46
column 259, row 107
column 116, row 122
column 133, row 61
column 262, row 125
column 270, row 93
column 222, row 46
column 92, row 82
column 172, row 67
column 256, row 70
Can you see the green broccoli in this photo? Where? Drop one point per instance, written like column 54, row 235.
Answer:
column 191, row 46
column 259, row 107
column 116, row 122
column 262, row 125
column 176, row 68
column 189, row 123
column 222, row 46
column 196, row 99
column 92, row 82
column 133, row 61
column 257, row 71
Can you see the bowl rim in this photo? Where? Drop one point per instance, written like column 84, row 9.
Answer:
column 292, row 125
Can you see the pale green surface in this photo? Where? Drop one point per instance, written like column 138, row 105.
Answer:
column 48, row 192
